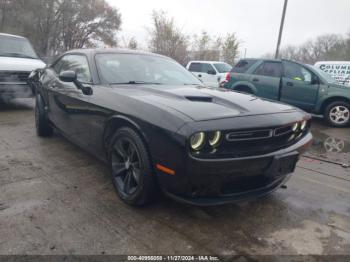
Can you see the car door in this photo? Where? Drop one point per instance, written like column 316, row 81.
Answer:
column 205, row 72
column 68, row 106
column 209, row 75
column 300, row 86
column 196, row 69
column 267, row 79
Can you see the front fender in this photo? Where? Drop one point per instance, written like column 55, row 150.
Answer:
column 122, row 119
column 331, row 95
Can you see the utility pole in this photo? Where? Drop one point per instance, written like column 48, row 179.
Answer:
column 281, row 29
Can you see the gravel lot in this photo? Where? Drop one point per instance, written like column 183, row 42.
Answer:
column 56, row 199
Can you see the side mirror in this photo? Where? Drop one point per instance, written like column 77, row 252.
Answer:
column 71, row 76
column 68, row 76
column 315, row 80
column 211, row 72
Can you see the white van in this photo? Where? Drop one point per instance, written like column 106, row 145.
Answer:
column 339, row 70
column 211, row 73
column 17, row 60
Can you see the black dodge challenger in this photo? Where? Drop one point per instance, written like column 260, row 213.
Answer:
column 158, row 127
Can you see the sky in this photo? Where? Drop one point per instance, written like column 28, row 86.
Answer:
column 255, row 22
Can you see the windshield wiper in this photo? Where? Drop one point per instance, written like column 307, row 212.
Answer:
column 136, row 83
column 17, row 55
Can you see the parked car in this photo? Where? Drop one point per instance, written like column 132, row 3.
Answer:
column 339, row 70
column 211, row 73
column 157, row 125
column 17, row 60
column 301, row 85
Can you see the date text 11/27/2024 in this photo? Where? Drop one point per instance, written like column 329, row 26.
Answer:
column 173, row 258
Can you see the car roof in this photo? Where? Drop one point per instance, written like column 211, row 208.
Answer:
column 209, row 62
column 271, row 60
column 261, row 59
column 332, row 62
column 92, row 51
column 16, row 36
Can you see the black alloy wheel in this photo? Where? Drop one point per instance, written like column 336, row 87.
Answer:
column 132, row 175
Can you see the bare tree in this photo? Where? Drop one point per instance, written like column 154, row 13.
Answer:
column 58, row 25
column 229, row 47
column 4, row 8
column 132, row 43
column 84, row 23
column 324, row 47
column 204, row 48
column 167, row 39
column 347, row 47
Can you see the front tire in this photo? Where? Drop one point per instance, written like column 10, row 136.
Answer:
column 337, row 114
column 131, row 169
column 42, row 125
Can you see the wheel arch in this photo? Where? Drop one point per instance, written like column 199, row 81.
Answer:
column 330, row 100
column 117, row 121
column 241, row 84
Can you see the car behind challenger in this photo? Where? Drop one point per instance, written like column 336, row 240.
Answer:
column 158, row 127
column 17, row 60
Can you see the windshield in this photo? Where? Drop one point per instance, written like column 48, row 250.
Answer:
column 16, row 47
column 142, row 69
column 223, row 67
column 326, row 76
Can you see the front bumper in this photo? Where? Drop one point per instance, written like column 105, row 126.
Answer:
column 15, row 90
column 222, row 181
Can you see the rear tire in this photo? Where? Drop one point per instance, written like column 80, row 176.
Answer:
column 131, row 169
column 337, row 114
column 42, row 125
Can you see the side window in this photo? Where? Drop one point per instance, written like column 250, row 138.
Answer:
column 206, row 68
column 195, row 67
column 57, row 66
column 200, row 67
column 297, row 72
column 78, row 64
column 273, row 69
column 243, row 65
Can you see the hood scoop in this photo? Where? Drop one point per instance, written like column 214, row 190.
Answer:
column 207, row 99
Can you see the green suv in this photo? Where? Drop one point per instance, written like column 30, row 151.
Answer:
column 301, row 85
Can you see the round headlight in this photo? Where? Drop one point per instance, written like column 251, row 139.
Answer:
column 214, row 138
column 197, row 141
column 295, row 127
column 303, row 125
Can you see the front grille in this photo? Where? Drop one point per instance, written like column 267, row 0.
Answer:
column 13, row 76
column 258, row 142
column 249, row 135
column 283, row 130
column 253, row 142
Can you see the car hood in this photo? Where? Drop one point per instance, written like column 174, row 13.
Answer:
column 202, row 103
column 20, row 64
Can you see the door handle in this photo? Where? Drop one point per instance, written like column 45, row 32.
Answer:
column 256, row 79
column 289, row 84
column 199, row 75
